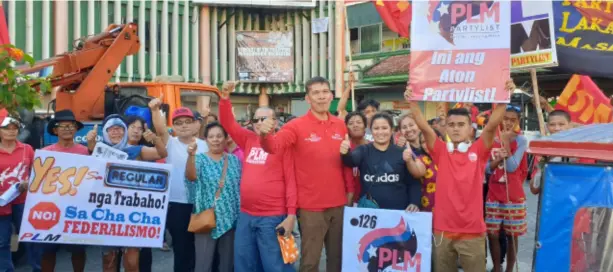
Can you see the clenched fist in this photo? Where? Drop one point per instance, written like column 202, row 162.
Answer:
column 191, row 148
column 510, row 86
column 345, row 145
column 156, row 103
column 91, row 137
column 407, row 154
column 408, row 93
column 148, row 135
column 227, row 88
column 267, row 126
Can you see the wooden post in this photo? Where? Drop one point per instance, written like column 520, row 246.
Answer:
column 537, row 100
column 347, row 41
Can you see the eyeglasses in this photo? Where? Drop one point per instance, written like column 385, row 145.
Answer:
column 180, row 123
column 66, row 127
column 515, row 108
column 260, row 119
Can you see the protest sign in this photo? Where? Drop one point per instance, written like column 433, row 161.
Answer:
column 104, row 151
column 386, row 240
column 265, row 56
column 460, row 51
column 583, row 36
column 532, row 32
column 75, row 199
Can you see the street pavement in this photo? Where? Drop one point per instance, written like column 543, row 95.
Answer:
column 163, row 261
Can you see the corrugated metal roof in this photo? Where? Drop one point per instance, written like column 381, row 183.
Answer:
column 595, row 133
column 591, row 141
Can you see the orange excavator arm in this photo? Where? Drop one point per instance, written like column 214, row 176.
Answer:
column 81, row 75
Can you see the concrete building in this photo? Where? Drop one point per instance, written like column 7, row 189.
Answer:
column 194, row 39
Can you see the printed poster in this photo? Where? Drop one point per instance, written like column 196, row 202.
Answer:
column 584, row 37
column 75, row 199
column 265, row 56
column 460, row 51
column 386, row 240
column 532, row 34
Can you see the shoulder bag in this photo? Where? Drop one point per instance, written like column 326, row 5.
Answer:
column 204, row 222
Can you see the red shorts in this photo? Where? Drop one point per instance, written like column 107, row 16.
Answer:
column 510, row 216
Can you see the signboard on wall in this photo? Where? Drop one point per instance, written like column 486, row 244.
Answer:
column 265, row 56
column 259, row 3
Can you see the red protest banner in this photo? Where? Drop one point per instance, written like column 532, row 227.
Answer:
column 396, row 15
column 4, row 31
column 584, row 101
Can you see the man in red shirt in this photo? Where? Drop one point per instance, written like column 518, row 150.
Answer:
column 267, row 193
column 459, row 228
column 325, row 186
column 65, row 127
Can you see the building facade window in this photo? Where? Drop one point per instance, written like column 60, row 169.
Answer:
column 370, row 38
column 375, row 38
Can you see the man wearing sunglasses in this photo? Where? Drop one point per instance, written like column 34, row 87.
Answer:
column 505, row 205
column 267, row 193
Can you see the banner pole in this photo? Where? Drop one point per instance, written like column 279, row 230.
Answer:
column 346, row 39
column 537, row 102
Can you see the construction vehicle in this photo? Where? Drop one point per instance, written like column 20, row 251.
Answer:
column 82, row 81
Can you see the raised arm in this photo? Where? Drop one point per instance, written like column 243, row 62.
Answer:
column 157, row 152
column 489, row 131
column 419, row 118
column 341, row 108
column 416, row 168
column 158, row 120
column 274, row 143
column 226, row 117
column 190, row 167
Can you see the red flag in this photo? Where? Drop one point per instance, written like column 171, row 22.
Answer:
column 584, row 101
column 4, row 31
column 396, row 15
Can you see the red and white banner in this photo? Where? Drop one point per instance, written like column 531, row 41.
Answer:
column 460, row 51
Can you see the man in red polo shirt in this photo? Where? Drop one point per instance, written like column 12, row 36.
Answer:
column 459, row 228
column 267, row 193
column 325, row 186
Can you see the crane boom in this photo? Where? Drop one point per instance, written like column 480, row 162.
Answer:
column 82, row 74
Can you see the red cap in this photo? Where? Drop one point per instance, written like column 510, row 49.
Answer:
column 182, row 112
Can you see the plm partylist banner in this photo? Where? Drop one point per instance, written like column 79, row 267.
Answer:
column 460, row 51
column 532, row 33
column 75, row 199
column 386, row 240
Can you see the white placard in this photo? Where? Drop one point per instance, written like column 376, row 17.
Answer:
column 104, row 151
column 76, row 199
column 386, row 240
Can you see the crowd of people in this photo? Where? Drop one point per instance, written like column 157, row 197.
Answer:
column 263, row 180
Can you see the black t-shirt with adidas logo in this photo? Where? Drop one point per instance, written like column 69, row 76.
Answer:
column 384, row 175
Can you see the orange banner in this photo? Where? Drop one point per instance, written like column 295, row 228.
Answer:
column 584, row 101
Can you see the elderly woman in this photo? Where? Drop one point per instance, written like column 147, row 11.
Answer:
column 216, row 176
column 115, row 133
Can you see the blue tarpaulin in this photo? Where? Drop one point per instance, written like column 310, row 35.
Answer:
column 568, row 188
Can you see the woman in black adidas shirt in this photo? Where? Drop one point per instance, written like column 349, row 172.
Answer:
column 383, row 166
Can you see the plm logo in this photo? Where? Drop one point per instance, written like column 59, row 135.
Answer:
column 445, row 16
column 44, row 216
